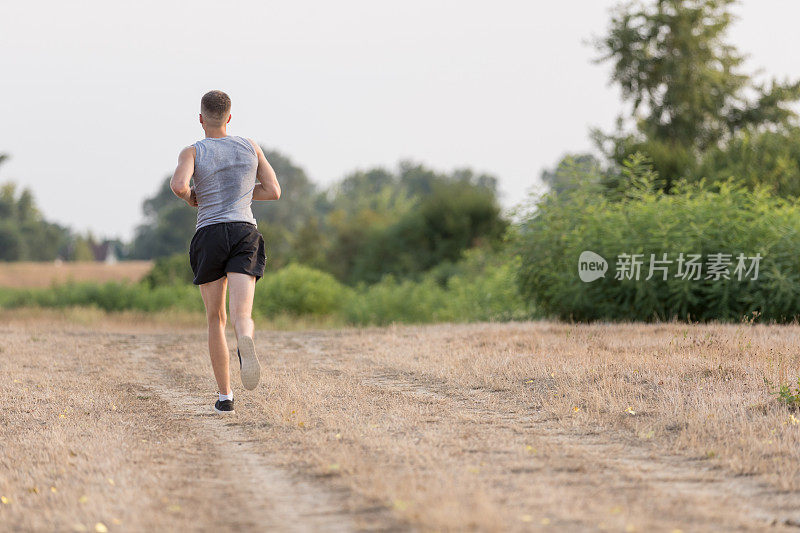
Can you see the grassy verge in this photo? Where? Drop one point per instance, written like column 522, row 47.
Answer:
column 297, row 296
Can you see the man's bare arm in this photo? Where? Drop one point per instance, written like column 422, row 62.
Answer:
column 183, row 175
column 267, row 187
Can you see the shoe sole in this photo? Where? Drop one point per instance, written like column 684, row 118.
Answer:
column 214, row 407
column 251, row 370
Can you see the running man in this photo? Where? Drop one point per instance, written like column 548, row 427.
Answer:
column 229, row 172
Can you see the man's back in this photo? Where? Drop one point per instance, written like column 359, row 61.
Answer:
column 224, row 178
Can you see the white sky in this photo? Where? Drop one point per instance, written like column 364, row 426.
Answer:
column 98, row 97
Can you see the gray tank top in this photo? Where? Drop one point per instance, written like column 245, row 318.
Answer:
column 224, row 178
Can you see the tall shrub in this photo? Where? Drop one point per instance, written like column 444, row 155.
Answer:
column 638, row 218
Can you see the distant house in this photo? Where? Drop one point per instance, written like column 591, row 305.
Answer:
column 105, row 252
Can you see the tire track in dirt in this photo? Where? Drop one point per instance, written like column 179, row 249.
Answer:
column 748, row 503
column 266, row 497
column 744, row 502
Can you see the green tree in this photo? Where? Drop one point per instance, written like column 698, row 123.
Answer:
column 377, row 190
column 26, row 235
column 362, row 204
column 82, row 249
column 685, row 85
column 281, row 222
column 769, row 158
column 574, row 170
column 459, row 213
column 168, row 227
column 11, row 244
column 298, row 194
column 309, row 248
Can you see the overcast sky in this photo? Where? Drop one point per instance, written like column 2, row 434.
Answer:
column 97, row 98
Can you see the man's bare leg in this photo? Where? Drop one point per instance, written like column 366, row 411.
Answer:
column 242, row 288
column 214, row 298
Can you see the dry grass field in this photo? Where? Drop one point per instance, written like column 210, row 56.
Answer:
column 33, row 274
column 107, row 425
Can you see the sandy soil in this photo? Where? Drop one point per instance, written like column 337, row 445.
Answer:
column 537, row 426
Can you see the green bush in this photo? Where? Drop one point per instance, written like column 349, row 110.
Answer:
column 489, row 292
column 391, row 300
column 300, row 290
column 482, row 286
column 638, row 219
column 106, row 296
column 789, row 395
column 171, row 270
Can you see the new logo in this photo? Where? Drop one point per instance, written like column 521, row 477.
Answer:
column 591, row 266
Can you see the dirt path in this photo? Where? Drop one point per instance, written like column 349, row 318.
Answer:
column 138, row 451
column 436, row 428
column 264, row 497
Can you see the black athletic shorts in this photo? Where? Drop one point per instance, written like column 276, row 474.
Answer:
column 217, row 249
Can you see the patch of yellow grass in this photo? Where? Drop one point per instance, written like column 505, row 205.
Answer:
column 28, row 274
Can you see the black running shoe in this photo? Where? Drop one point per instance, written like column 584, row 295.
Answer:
column 224, row 407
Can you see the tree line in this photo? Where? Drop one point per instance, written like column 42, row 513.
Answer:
column 371, row 223
column 24, row 233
